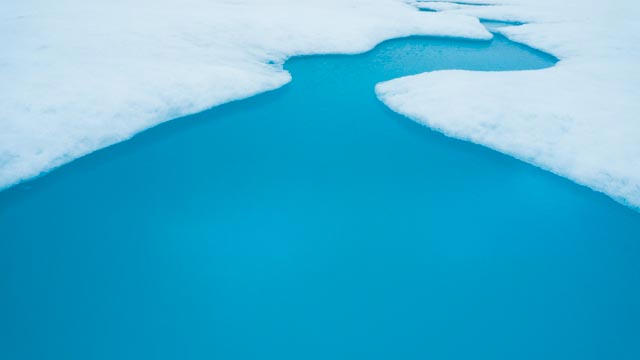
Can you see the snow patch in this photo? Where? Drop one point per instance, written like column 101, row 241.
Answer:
column 77, row 76
column 579, row 119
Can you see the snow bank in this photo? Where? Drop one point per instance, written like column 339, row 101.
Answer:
column 579, row 119
column 77, row 75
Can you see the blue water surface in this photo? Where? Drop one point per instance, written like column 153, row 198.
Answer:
column 312, row 222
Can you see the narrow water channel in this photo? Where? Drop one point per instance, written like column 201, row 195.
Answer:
column 312, row 222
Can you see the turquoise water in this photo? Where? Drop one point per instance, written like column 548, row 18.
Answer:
column 313, row 223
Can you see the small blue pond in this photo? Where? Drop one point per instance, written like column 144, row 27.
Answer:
column 312, row 222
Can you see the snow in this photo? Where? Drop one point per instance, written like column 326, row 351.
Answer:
column 76, row 76
column 579, row 119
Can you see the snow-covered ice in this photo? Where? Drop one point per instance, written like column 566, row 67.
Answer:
column 77, row 75
column 579, row 119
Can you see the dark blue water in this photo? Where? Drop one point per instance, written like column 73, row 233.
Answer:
column 313, row 223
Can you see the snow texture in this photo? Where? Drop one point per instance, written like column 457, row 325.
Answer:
column 579, row 119
column 77, row 75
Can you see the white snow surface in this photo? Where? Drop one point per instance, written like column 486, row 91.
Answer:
column 579, row 119
column 76, row 76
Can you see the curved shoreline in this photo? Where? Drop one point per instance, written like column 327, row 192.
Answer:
column 558, row 123
column 131, row 75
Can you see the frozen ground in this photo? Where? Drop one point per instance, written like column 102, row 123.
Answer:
column 579, row 119
column 77, row 75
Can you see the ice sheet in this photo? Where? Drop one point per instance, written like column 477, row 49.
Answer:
column 77, row 75
column 579, row 119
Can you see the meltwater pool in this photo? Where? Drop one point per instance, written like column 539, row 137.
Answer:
column 311, row 222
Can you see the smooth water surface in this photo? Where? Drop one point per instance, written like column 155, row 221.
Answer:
column 312, row 222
